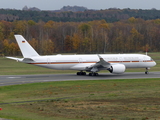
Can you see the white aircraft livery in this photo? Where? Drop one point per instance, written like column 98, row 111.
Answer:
column 92, row 63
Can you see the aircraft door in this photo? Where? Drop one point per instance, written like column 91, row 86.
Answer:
column 80, row 60
column 48, row 61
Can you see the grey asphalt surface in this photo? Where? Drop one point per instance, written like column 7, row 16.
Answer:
column 23, row 79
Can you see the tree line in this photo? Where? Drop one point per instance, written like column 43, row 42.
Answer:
column 98, row 36
column 110, row 15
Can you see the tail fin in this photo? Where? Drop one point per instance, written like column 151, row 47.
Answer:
column 26, row 49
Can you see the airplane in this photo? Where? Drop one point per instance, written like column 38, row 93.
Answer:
column 92, row 63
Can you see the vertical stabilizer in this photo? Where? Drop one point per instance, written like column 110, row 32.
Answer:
column 26, row 49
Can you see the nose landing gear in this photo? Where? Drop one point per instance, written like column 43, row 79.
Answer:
column 146, row 72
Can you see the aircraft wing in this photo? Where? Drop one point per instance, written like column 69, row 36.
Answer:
column 99, row 65
column 92, row 67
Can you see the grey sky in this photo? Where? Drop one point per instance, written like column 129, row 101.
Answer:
column 90, row 4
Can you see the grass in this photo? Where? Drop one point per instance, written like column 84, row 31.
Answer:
column 90, row 100
column 8, row 67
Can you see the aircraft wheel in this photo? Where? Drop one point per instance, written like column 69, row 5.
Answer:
column 78, row 73
column 146, row 72
column 96, row 74
column 83, row 73
column 93, row 74
column 90, row 74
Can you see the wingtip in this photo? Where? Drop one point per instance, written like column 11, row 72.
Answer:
column 99, row 56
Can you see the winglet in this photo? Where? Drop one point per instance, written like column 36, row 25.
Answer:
column 26, row 49
column 102, row 61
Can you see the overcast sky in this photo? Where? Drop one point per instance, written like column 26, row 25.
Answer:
column 90, row 4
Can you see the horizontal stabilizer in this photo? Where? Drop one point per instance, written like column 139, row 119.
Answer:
column 26, row 60
column 14, row 58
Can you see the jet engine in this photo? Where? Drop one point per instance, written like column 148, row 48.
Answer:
column 117, row 69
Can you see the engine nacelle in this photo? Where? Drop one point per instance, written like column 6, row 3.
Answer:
column 117, row 69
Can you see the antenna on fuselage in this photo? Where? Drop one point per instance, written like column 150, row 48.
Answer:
column 146, row 53
column 146, row 50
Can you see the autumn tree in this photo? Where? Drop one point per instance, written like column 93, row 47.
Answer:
column 76, row 42
column 20, row 27
column 6, row 47
column 34, row 43
column 13, row 49
column 104, row 31
column 85, row 31
column 136, row 39
column 48, row 47
column 132, row 20
column 68, row 44
column 49, row 26
column 97, row 36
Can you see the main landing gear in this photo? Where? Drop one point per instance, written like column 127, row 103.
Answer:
column 90, row 74
column 81, row 73
column 146, row 72
column 93, row 74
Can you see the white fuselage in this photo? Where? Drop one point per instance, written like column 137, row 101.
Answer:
column 114, row 63
column 80, row 62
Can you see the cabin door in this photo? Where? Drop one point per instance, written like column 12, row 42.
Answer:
column 48, row 61
column 80, row 60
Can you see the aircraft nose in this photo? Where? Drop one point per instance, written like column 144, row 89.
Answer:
column 154, row 63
